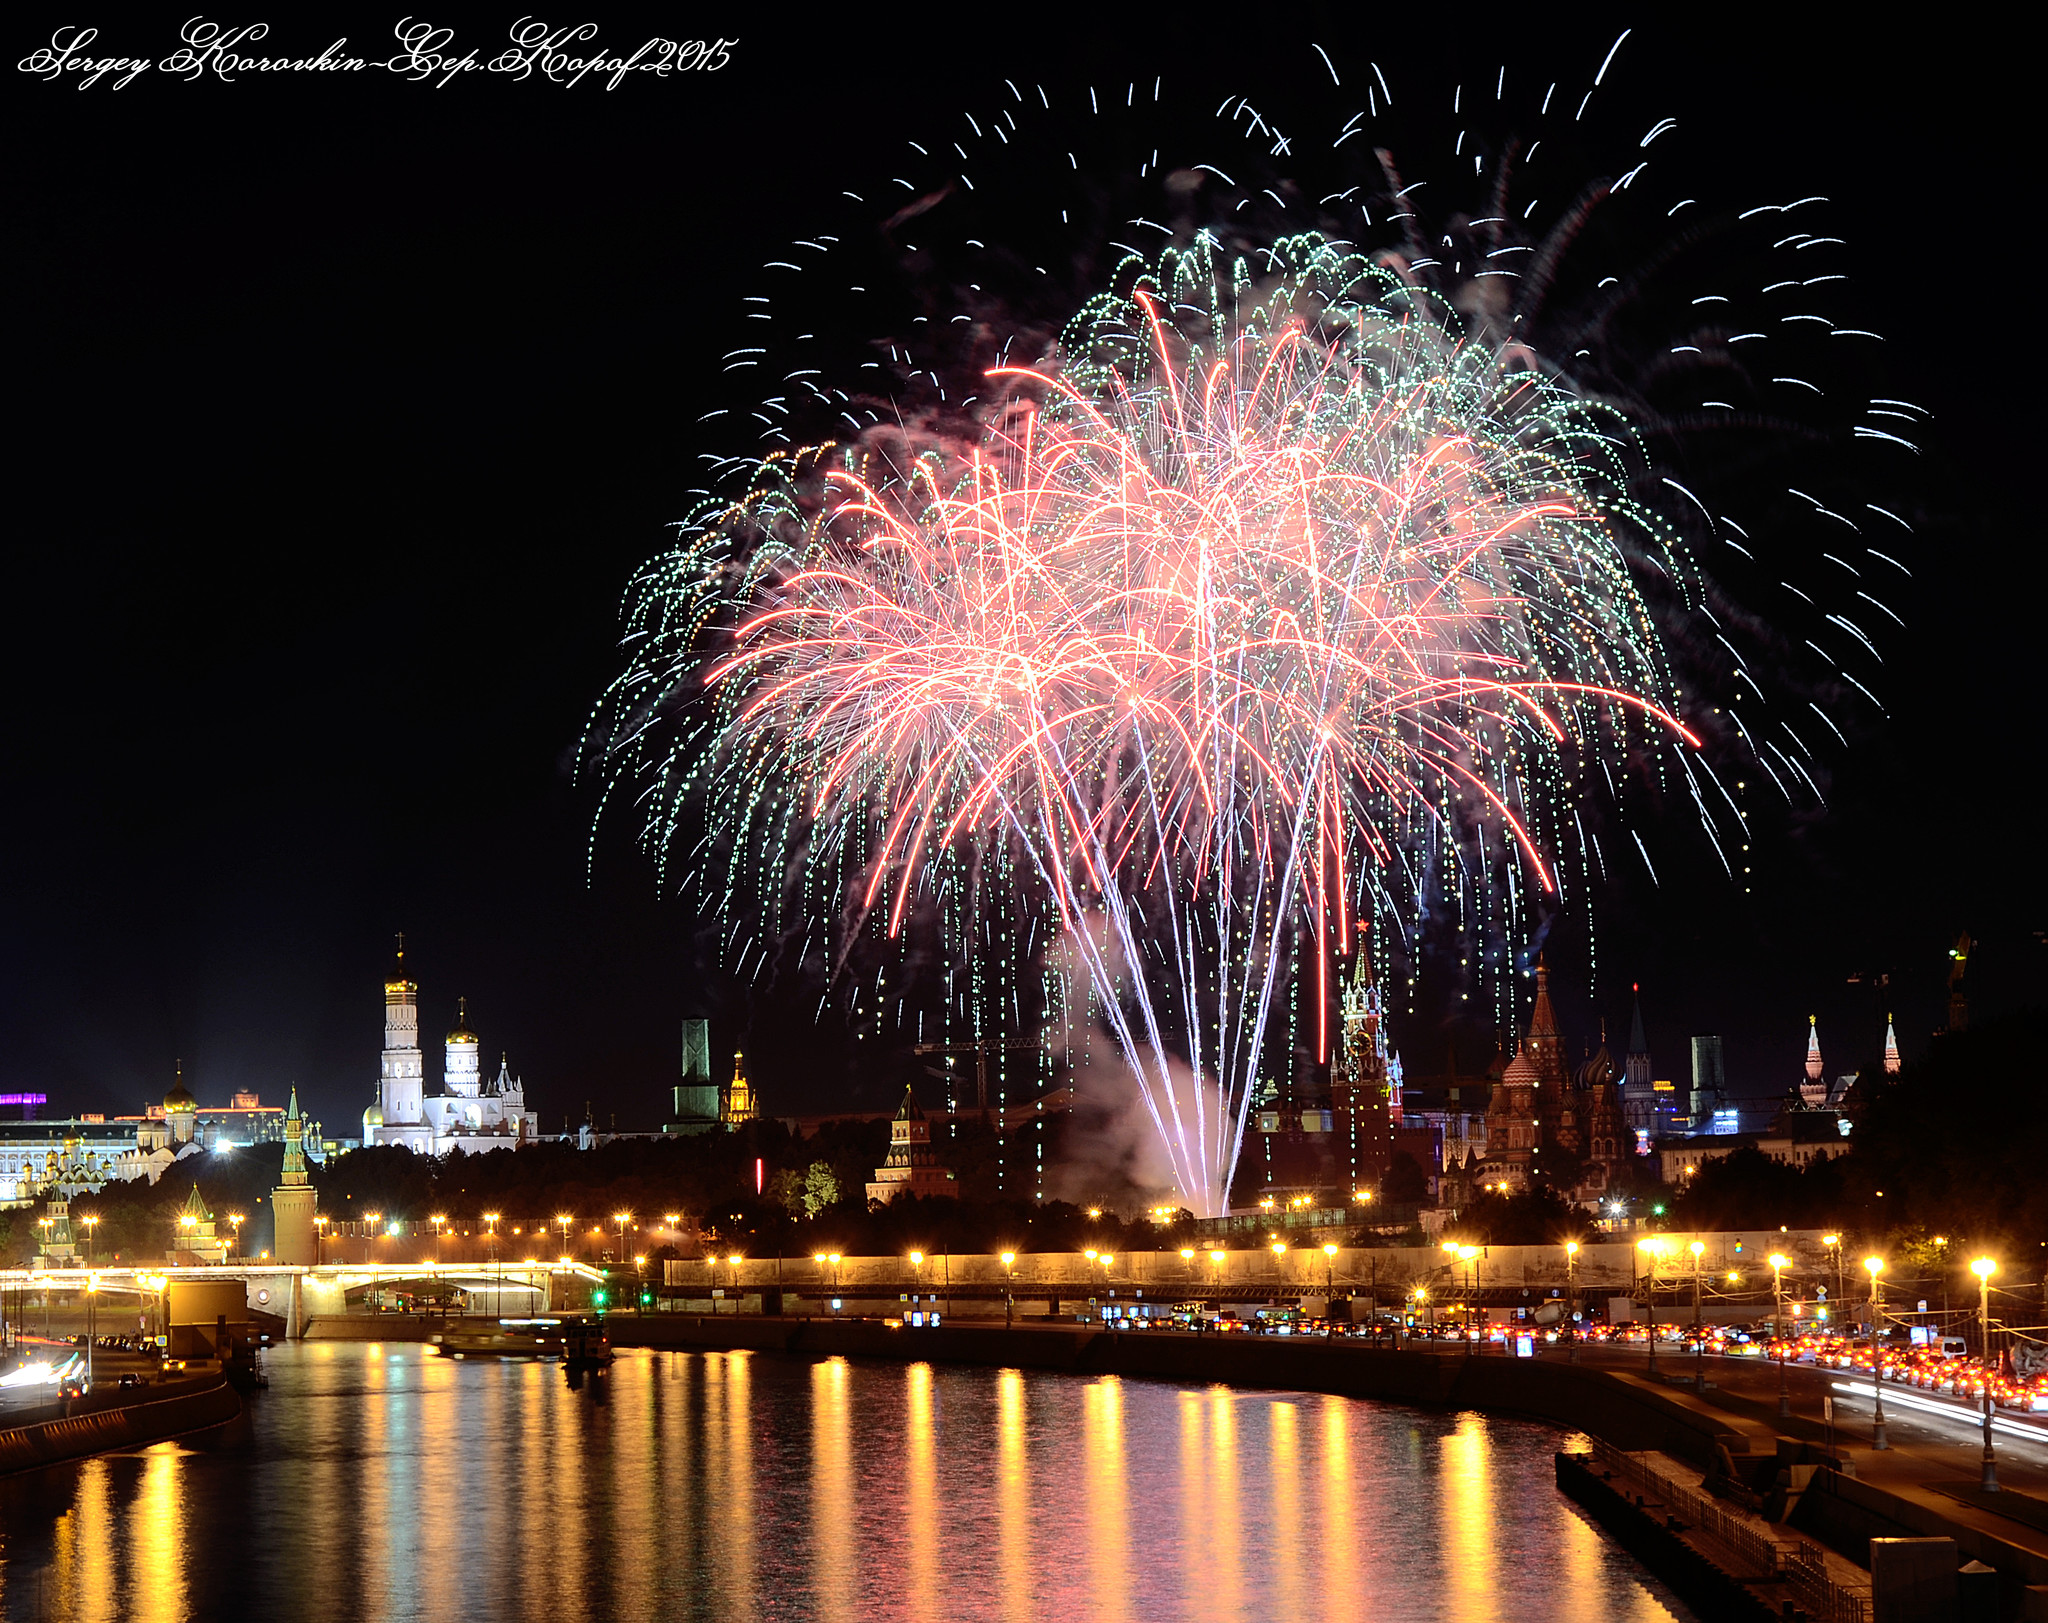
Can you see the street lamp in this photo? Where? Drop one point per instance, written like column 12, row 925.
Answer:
column 1329, row 1270
column 622, row 1219
column 91, row 1223
column 320, row 1241
column 1009, row 1299
column 1422, row 1301
column 1834, row 1243
column 1571, row 1296
column 1876, row 1267
column 733, row 1262
column 234, row 1222
column 916, row 1273
column 1778, row 1260
column 1984, row 1268
column 1652, row 1249
column 1699, row 1341
column 1469, row 1255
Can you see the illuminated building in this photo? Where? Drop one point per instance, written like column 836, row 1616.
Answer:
column 911, row 1169
column 468, row 1114
column 738, row 1104
column 1647, row 1104
column 193, row 1241
column 292, row 1202
column 1365, row 1099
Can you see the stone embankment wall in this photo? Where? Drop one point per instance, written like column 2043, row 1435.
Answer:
column 173, row 1409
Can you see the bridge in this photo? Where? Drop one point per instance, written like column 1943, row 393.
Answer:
column 299, row 1295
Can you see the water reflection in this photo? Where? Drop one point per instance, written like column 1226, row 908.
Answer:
column 391, row 1484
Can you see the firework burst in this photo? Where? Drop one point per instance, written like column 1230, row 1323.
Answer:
column 1256, row 600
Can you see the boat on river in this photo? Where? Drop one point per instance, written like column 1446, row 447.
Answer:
column 502, row 1338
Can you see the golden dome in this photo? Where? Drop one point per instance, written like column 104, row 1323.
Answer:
column 374, row 1116
column 462, row 1033
column 180, row 1097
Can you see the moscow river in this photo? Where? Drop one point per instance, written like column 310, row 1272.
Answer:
column 386, row 1482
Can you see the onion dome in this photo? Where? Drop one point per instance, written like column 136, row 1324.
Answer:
column 462, row 1033
column 1521, row 1072
column 180, row 1096
column 1598, row 1070
column 373, row 1117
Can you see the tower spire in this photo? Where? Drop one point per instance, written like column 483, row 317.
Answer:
column 1813, row 1060
column 1891, row 1048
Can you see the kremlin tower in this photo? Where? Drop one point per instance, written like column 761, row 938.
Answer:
column 1364, row 1102
column 292, row 1202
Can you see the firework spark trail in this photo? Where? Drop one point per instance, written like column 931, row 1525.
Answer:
column 1218, row 615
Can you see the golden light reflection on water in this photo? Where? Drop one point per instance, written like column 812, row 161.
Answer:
column 921, row 1524
column 1284, row 1465
column 1470, row 1537
column 1336, row 1529
column 736, row 1486
column 1013, row 1495
column 1107, row 1496
column 834, row 1568
column 729, row 1462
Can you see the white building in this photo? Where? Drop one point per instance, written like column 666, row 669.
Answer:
column 468, row 1113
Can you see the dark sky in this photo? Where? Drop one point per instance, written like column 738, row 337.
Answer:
column 346, row 407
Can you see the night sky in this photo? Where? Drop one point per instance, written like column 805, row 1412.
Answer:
column 346, row 408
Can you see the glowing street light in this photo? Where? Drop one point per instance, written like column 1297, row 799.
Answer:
column 1652, row 1249
column 1699, row 1340
column 917, row 1272
column 440, row 1221
column 1571, row 1295
column 1778, row 1261
column 1876, row 1267
column 1009, row 1299
column 1329, row 1270
column 1984, row 1268
column 622, row 1219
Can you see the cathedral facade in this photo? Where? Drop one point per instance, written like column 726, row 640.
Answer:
column 468, row 1113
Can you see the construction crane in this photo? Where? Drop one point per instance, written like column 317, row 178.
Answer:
column 981, row 1052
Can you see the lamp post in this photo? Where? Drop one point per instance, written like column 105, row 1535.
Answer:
column 235, row 1223
column 440, row 1221
column 1651, row 1249
column 916, row 1274
column 1009, row 1297
column 1834, row 1243
column 320, row 1241
column 1469, row 1255
column 1699, row 1340
column 1984, row 1268
column 1941, row 1251
column 91, row 1223
column 1778, row 1325
column 1329, row 1270
column 733, row 1262
column 1571, row 1297
column 1877, row 1439
column 491, row 1229
column 1429, row 1313
column 622, row 1219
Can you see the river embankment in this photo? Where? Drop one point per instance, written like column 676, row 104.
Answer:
column 101, row 1423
